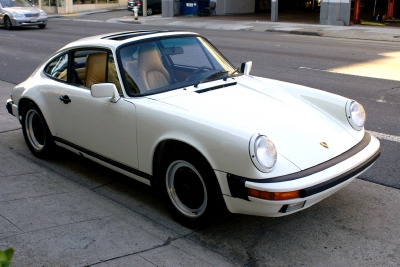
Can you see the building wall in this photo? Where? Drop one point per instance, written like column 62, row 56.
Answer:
column 239, row 6
column 67, row 6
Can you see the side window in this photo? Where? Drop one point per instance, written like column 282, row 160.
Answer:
column 95, row 66
column 58, row 68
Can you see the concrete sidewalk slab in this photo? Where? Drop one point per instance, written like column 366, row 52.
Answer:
column 52, row 221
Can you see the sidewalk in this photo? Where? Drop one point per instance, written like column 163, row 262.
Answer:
column 55, row 212
column 259, row 22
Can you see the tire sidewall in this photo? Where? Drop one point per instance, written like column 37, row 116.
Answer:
column 48, row 141
column 209, row 179
column 8, row 23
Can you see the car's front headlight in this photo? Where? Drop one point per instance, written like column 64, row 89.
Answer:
column 355, row 114
column 263, row 153
column 18, row 15
column 42, row 13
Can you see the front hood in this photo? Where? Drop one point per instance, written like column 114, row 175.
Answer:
column 23, row 10
column 296, row 128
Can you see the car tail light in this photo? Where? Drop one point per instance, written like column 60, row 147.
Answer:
column 138, row 3
column 273, row 195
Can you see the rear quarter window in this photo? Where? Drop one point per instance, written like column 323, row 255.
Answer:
column 58, row 68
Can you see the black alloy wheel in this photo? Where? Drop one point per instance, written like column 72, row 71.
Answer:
column 7, row 23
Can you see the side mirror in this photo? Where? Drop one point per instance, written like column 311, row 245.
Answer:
column 105, row 90
column 245, row 68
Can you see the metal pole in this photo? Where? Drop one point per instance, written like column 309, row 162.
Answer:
column 144, row 8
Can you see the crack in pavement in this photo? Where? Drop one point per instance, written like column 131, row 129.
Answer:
column 11, row 130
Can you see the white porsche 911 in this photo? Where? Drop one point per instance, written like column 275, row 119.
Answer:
column 168, row 109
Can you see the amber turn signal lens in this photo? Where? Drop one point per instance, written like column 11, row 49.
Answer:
column 273, row 195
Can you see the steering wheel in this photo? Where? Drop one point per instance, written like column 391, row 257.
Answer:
column 200, row 69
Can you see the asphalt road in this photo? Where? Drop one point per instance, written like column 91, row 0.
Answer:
column 358, row 226
column 303, row 60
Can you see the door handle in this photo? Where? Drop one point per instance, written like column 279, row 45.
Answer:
column 65, row 99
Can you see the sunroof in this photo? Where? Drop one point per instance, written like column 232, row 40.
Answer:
column 130, row 34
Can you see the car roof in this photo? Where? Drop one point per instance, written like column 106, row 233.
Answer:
column 113, row 40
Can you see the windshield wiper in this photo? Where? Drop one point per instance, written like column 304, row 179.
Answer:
column 213, row 75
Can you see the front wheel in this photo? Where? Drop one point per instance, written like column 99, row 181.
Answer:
column 190, row 188
column 36, row 132
column 7, row 23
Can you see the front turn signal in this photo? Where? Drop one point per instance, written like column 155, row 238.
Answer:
column 273, row 195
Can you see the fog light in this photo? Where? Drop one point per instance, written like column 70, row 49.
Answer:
column 292, row 207
column 273, row 195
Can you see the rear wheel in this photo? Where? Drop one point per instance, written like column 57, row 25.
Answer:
column 42, row 26
column 149, row 11
column 36, row 132
column 7, row 23
column 190, row 188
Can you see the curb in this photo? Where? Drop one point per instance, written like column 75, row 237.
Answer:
column 129, row 21
column 310, row 33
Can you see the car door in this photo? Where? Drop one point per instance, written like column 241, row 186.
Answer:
column 96, row 126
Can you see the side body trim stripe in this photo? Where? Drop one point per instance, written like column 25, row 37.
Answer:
column 105, row 159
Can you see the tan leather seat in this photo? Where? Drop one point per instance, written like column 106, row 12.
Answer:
column 96, row 68
column 131, row 68
column 151, row 70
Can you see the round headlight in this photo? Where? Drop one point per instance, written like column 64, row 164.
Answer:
column 355, row 114
column 263, row 153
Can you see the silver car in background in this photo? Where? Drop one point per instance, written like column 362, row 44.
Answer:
column 16, row 13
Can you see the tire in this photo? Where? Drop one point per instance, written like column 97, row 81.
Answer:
column 42, row 26
column 36, row 132
column 190, row 189
column 7, row 23
column 149, row 11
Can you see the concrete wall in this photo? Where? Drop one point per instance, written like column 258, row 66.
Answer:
column 239, row 6
column 335, row 12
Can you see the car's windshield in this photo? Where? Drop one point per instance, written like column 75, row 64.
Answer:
column 15, row 3
column 167, row 64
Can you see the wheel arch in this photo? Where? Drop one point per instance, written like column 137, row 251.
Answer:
column 23, row 102
column 167, row 146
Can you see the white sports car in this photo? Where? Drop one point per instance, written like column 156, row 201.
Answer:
column 168, row 109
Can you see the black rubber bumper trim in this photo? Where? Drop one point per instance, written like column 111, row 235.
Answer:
column 9, row 107
column 105, row 159
column 306, row 192
column 323, row 166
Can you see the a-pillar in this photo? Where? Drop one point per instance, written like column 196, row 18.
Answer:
column 167, row 8
column 274, row 10
column 335, row 12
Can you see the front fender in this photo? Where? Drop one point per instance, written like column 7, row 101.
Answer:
column 225, row 146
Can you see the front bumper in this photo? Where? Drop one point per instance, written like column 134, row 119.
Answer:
column 21, row 22
column 315, row 185
column 12, row 108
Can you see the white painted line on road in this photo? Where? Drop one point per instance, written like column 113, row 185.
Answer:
column 6, row 34
column 385, row 136
column 307, row 68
